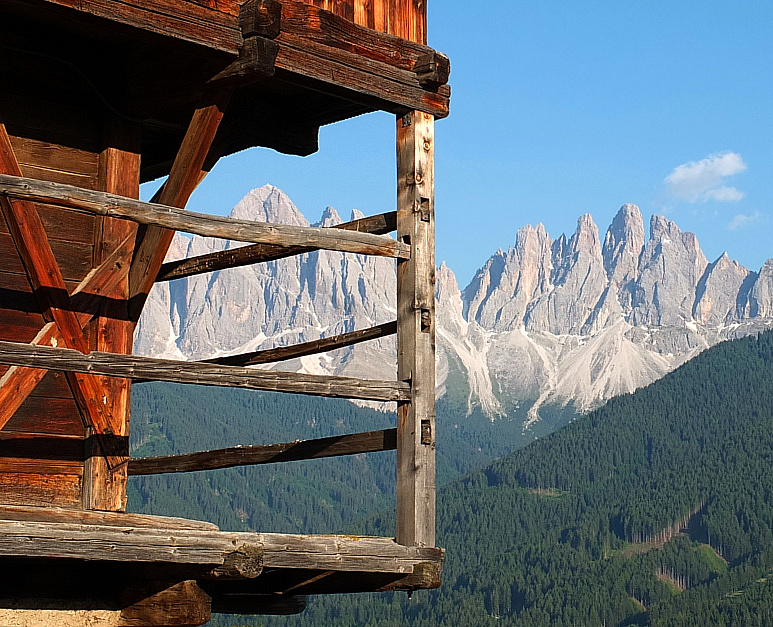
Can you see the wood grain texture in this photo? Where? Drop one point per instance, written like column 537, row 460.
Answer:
column 188, row 21
column 33, row 488
column 110, row 519
column 146, row 368
column 168, row 217
column 307, row 348
column 112, row 543
column 416, row 330
column 182, row 604
column 389, row 88
column 104, row 483
column 262, row 253
column 351, row 444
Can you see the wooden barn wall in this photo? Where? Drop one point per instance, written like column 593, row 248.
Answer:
column 403, row 18
column 42, row 447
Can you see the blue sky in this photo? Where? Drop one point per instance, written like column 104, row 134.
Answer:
column 560, row 109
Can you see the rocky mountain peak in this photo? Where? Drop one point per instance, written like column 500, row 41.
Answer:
column 268, row 204
column 623, row 245
column 586, row 237
column 330, row 218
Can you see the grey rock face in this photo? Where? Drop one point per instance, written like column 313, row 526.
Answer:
column 545, row 322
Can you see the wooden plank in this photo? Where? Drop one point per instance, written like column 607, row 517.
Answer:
column 74, row 258
column 262, row 253
column 323, row 27
column 46, row 416
column 168, row 217
column 188, row 21
column 186, row 173
column 307, row 348
column 343, row 553
column 56, row 540
column 110, row 519
column 351, row 444
column 63, row 225
column 389, row 88
column 416, row 330
column 146, row 368
column 33, row 488
column 34, row 152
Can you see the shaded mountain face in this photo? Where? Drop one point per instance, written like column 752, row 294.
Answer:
column 547, row 322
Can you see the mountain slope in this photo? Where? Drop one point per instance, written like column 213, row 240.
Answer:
column 548, row 323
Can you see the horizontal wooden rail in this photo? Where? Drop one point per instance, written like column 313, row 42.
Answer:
column 351, row 444
column 147, row 368
column 102, row 203
column 261, row 253
column 307, row 348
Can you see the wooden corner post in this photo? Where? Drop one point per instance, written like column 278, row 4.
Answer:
column 416, row 329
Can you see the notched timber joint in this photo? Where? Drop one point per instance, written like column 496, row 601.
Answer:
column 426, row 432
column 422, row 207
column 426, row 320
column 432, row 70
column 261, row 18
column 257, row 58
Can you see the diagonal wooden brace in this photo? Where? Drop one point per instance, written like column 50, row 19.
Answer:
column 186, row 173
column 18, row 382
column 47, row 282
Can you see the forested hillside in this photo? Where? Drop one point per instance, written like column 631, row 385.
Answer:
column 318, row 496
column 653, row 510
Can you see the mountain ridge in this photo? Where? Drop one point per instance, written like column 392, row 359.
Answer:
column 573, row 320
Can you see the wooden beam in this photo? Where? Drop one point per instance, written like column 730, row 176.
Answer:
column 111, row 519
column 104, row 482
column 261, row 253
column 181, row 604
column 215, row 28
column 363, row 80
column 121, row 544
column 260, row 18
column 186, row 173
column 146, row 368
column 343, row 553
column 167, row 217
column 307, row 348
column 31, row 240
column 416, row 330
column 335, row 446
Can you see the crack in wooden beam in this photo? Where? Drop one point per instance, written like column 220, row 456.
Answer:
column 335, row 446
column 147, row 368
column 168, row 217
column 307, row 348
column 261, row 253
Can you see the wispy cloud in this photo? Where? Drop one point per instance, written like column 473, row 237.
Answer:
column 701, row 181
column 741, row 220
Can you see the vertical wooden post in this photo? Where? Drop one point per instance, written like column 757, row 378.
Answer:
column 416, row 329
column 104, row 488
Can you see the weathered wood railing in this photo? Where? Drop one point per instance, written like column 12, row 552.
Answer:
column 414, row 389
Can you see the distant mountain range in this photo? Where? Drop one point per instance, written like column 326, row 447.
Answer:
column 571, row 321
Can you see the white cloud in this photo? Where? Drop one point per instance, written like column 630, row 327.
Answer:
column 700, row 181
column 741, row 220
